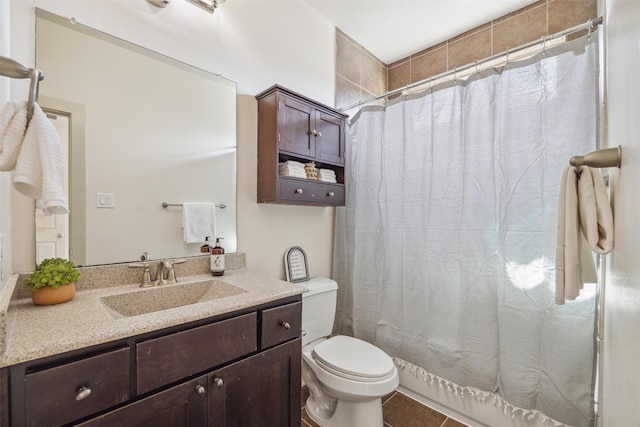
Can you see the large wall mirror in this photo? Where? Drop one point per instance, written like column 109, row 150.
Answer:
column 144, row 129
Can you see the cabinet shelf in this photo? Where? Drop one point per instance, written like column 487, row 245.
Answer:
column 294, row 127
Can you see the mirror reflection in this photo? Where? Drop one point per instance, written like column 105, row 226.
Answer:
column 144, row 129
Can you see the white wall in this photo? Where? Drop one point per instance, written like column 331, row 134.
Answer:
column 621, row 340
column 5, row 193
column 255, row 43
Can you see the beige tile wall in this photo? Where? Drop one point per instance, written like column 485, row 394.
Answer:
column 359, row 75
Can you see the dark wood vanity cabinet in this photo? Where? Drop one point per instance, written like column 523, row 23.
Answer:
column 240, row 369
column 241, row 394
column 293, row 127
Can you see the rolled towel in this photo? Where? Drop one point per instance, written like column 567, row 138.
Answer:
column 13, row 123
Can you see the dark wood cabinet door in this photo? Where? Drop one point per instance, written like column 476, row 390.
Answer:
column 184, row 405
column 330, row 139
column 296, row 129
column 261, row 391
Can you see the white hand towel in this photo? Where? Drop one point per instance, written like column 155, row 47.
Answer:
column 198, row 221
column 13, row 123
column 583, row 204
column 39, row 169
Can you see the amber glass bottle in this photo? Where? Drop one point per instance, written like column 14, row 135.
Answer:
column 206, row 248
column 217, row 259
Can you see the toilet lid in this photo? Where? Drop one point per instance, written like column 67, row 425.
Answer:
column 353, row 358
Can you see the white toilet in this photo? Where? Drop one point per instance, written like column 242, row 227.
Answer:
column 346, row 377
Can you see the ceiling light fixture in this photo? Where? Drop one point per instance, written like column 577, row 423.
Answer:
column 208, row 5
column 159, row 3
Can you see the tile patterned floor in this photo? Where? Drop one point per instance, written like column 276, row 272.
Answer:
column 398, row 410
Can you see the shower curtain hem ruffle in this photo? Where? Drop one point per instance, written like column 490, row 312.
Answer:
column 462, row 392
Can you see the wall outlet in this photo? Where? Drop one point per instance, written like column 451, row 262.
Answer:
column 105, row 200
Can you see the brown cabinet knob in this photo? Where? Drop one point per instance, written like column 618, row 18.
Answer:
column 285, row 325
column 200, row 389
column 83, row 393
column 218, row 382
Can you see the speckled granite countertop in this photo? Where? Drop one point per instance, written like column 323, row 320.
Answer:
column 29, row 332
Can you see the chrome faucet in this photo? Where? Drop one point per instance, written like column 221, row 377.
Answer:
column 165, row 273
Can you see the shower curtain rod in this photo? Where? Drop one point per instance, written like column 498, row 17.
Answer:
column 587, row 25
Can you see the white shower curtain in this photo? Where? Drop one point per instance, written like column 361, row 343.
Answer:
column 444, row 253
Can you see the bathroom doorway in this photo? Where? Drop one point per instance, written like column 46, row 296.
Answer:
column 52, row 231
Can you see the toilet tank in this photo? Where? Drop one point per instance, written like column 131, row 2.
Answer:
column 318, row 308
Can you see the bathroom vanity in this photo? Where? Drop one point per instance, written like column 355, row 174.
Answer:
column 230, row 360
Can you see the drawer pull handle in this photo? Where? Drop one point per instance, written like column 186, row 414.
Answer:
column 83, row 393
column 218, row 382
column 331, row 194
column 319, row 133
column 285, row 325
column 200, row 389
column 298, row 190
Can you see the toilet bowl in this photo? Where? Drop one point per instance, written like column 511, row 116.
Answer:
column 346, row 376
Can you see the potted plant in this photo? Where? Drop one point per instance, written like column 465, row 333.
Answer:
column 53, row 281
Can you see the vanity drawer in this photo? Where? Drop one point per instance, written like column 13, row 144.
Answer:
column 280, row 324
column 163, row 360
column 321, row 193
column 55, row 396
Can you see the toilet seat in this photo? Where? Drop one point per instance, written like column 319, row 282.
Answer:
column 352, row 358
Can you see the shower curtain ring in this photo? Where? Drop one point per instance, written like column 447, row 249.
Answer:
column 507, row 58
column 455, row 75
column 590, row 22
column 431, row 85
column 476, row 66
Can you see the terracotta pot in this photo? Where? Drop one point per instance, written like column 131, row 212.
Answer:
column 50, row 296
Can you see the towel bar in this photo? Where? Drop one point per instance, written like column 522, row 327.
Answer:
column 606, row 158
column 15, row 70
column 165, row 204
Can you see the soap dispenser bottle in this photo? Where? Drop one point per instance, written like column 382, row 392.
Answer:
column 206, row 248
column 217, row 259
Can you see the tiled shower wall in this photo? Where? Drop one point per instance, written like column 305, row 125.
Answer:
column 360, row 75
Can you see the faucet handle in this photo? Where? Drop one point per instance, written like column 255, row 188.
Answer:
column 171, row 272
column 146, row 274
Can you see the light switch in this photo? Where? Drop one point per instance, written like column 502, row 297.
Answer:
column 105, row 200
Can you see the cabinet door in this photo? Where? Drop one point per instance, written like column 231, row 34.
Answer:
column 261, row 391
column 295, row 128
column 330, row 139
column 184, row 405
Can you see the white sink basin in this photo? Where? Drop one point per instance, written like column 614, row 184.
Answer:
column 164, row 297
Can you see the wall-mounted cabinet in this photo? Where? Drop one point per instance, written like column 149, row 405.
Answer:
column 293, row 127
